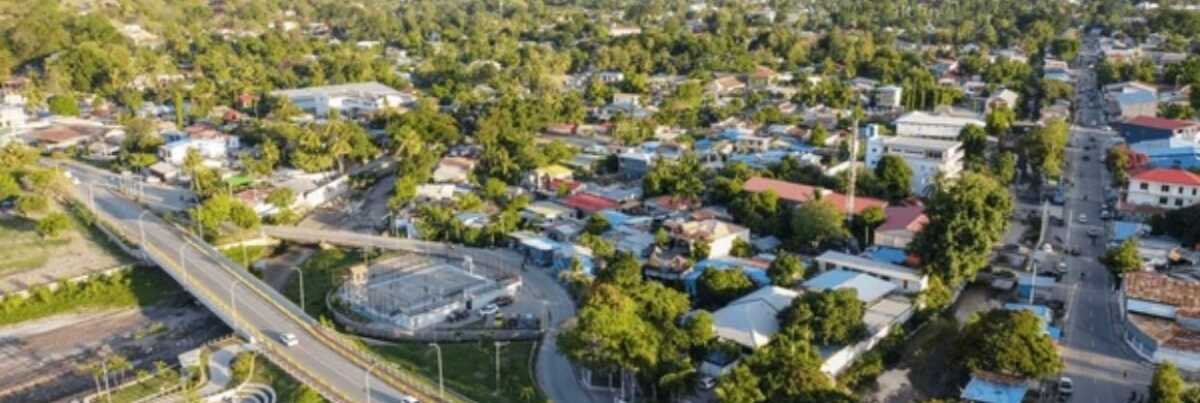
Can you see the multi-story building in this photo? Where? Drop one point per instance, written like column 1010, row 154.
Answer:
column 888, row 96
column 928, row 158
column 921, row 124
column 350, row 99
column 1163, row 189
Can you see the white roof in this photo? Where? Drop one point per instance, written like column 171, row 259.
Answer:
column 869, row 289
column 753, row 319
column 920, row 142
column 370, row 89
column 858, row 263
column 922, row 118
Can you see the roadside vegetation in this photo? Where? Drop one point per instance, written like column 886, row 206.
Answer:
column 135, row 287
column 470, row 368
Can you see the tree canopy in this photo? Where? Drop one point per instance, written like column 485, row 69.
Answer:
column 1012, row 342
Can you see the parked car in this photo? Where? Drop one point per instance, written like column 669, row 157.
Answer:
column 408, row 399
column 504, row 300
column 489, row 309
column 708, row 382
column 1083, row 219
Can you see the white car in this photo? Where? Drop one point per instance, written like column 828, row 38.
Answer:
column 1065, row 386
column 408, row 399
column 1083, row 218
column 288, row 339
column 489, row 309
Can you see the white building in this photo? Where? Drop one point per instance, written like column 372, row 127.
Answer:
column 908, row 279
column 1164, row 189
column 12, row 118
column 888, row 96
column 350, row 99
column 752, row 320
column 718, row 235
column 921, row 124
column 928, row 158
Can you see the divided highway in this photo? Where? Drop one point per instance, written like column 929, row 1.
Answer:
column 251, row 308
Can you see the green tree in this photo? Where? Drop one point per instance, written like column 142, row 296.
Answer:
column 1166, row 386
column 895, row 175
column 816, row 222
column 1004, row 167
column 741, row 248
column 597, row 224
column 305, row 394
column 786, row 270
column 281, row 197
column 966, row 218
column 999, row 121
column 740, row 386
column 974, row 140
column 53, row 225
column 63, row 105
column 720, row 287
column 32, row 204
column 1123, row 258
column 1009, row 342
column 1045, row 147
column 818, row 136
column 833, row 316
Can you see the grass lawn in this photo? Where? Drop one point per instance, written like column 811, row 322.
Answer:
column 247, row 255
column 146, row 388
column 322, row 272
column 21, row 247
column 137, row 287
column 470, row 368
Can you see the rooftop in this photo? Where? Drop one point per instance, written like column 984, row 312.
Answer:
column 918, row 117
column 1173, row 176
column 870, row 266
column 869, row 289
column 911, row 218
column 753, row 319
column 798, row 193
column 370, row 89
column 1160, row 123
column 1158, row 287
column 921, row 142
column 588, row 202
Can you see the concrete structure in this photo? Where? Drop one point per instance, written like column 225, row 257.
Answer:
column 1129, row 104
column 718, row 235
column 415, row 294
column 929, row 159
column 1163, row 189
column 908, row 279
column 210, row 148
column 350, row 99
column 921, row 124
column 994, row 388
column 888, row 96
column 12, row 118
column 1162, row 316
column 902, row 224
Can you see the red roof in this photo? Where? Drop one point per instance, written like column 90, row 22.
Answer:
column 58, row 134
column 589, row 203
column 1160, row 123
column 910, row 218
column 798, row 193
column 1173, row 176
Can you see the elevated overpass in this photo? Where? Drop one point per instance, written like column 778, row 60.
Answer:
column 323, row 359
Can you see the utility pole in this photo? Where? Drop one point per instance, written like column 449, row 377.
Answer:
column 498, row 345
column 441, row 380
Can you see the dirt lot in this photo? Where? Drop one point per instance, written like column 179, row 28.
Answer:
column 27, row 260
column 39, row 360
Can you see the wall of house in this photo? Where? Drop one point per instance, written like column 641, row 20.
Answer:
column 897, row 238
column 1152, row 194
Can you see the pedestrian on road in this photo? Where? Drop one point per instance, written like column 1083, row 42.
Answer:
column 1125, row 374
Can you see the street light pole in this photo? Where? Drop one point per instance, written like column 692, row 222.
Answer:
column 367, row 380
column 498, row 345
column 297, row 269
column 142, row 229
column 441, row 380
column 183, row 264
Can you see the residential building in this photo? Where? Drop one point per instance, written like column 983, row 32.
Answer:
column 908, row 279
column 901, row 226
column 921, row 124
column 1163, row 189
column 795, row 193
column 718, row 235
column 635, row 164
column 1132, row 102
column 752, row 320
column 453, row 170
column 884, row 311
column 12, row 118
column 211, row 144
column 1162, row 317
column 1003, row 98
column 1147, row 128
column 60, row 137
column 888, row 96
column 350, row 99
column 725, row 85
column 929, row 159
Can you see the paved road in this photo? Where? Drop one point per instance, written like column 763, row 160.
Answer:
column 555, row 374
column 244, row 302
column 1102, row 366
column 159, row 196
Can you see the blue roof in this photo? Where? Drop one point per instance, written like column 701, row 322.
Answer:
column 980, row 390
column 1123, row 230
column 888, row 254
column 1136, row 97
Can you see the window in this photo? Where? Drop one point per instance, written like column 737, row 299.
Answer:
column 1166, row 188
column 1178, row 202
column 1162, row 200
column 1145, row 186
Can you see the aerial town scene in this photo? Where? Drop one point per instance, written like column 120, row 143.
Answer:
column 600, row 201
